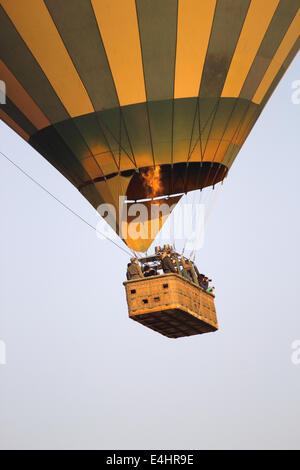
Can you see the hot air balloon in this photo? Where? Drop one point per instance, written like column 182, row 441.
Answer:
column 141, row 99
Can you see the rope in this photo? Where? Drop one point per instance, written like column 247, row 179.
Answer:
column 62, row 203
column 213, row 203
column 199, row 196
column 210, row 202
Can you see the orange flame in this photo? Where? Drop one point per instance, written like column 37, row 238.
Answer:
column 152, row 180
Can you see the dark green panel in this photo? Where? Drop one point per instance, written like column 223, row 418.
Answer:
column 281, row 72
column 216, row 126
column 126, row 144
column 91, row 132
column 160, row 115
column 116, row 134
column 17, row 116
column 278, row 27
column 69, row 132
column 51, row 145
column 227, row 25
column 110, row 123
column 92, row 195
column 222, row 117
column 237, row 116
column 248, row 119
column 20, row 61
column 137, row 124
column 282, row 19
column 158, row 32
column 184, row 114
column 40, row 144
column 207, row 110
column 76, row 23
column 195, row 132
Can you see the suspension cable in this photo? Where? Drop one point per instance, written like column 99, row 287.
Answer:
column 62, row 203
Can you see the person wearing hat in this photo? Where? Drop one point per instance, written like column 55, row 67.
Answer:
column 210, row 290
column 206, row 285
column 148, row 271
column 201, row 280
column 134, row 270
column 186, row 269
column 166, row 263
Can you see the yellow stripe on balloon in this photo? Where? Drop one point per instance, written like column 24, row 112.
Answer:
column 19, row 96
column 282, row 52
column 37, row 29
column 257, row 21
column 194, row 26
column 118, row 25
column 13, row 125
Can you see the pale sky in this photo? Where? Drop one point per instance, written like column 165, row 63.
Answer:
column 80, row 374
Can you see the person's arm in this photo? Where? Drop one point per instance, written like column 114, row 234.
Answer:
column 171, row 266
column 140, row 272
column 129, row 273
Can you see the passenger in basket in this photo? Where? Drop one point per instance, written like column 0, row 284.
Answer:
column 148, row 271
column 203, row 281
column 186, row 269
column 207, row 287
column 167, row 264
column 134, row 270
column 127, row 272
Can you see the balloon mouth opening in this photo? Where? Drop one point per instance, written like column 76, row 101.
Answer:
column 178, row 178
column 174, row 179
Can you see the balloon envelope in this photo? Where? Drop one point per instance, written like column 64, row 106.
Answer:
column 106, row 88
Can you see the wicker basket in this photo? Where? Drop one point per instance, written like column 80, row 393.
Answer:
column 171, row 305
